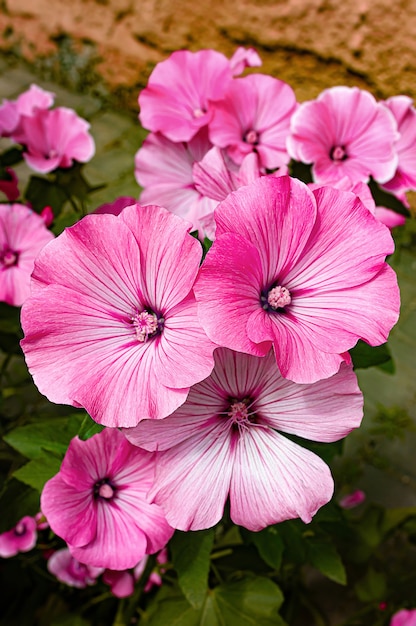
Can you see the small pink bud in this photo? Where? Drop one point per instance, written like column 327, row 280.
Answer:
column 47, row 215
column 351, row 500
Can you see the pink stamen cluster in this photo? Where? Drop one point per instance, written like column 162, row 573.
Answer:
column 146, row 325
column 278, row 298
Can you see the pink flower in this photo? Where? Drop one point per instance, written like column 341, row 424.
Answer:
column 22, row 235
column 70, row 571
column 9, row 118
column 227, row 441
column 351, row 500
column 116, row 207
column 9, row 185
column 345, row 132
column 404, row 618
column 164, row 169
column 27, row 104
column 177, row 99
column 254, row 116
column 302, row 271
column 112, row 324
column 97, row 502
column 242, row 58
column 55, row 138
column 121, row 583
column 21, row 538
column 404, row 178
column 389, row 218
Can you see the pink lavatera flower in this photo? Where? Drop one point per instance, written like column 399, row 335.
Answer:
column 177, row 101
column 55, row 138
column 301, row 271
column 404, row 617
column 116, row 207
column 404, row 178
column 386, row 216
column 27, row 104
column 10, row 185
column 165, row 170
column 228, row 441
column 254, row 116
column 21, row 538
column 97, row 502
column 22, row 236
column 121, row 583
column 70, row 571
column 112, row 323
column 345, row 132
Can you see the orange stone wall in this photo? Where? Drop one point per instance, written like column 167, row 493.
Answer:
column 312, row 44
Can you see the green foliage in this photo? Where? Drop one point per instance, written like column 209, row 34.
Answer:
column 269, row 544
column 191, row 557
column 364, row 356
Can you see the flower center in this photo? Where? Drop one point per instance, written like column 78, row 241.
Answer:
column 252, row 137
column 276, row 298
column 104, row 489
column 199, row 112
column 147, row 325
column 240, row 413
column 9, row 258
column 20, row 529
column 338, row 153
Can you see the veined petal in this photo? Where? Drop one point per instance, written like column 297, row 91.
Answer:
column 275, row 480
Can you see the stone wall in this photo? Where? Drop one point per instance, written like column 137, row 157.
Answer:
column 312, row 44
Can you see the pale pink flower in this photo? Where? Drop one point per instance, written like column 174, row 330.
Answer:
column 404, row 178
column 22, row 235
column 345, row 132
column 116, row 207
column 9, row 118
column 55, row 138
column 254, row 116
column 70, row 571
column 389, row 218
column 21, row 538
column 405, row 617
column 227, row 441
column 178, row 97
column 120, row 582
column 27, row 104
column 351, row 500
column 112, row 323
column 302, row 271
column 165, row 170
column 97, row 502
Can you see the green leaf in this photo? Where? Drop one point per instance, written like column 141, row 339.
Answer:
column 325, row 557
column 190, row 556
column 269, row 544
column 10, row 319
column 41, row 192
column 396, row 517
column 372, row 587
column 52, row 435
column 16, row 501
column 12, row 156
column 37, row 472
column 89, row 428
column 364, row 356
column 248, row 602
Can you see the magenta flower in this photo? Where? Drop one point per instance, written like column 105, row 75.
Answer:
column 351, row 500
column 21, row 538
column 22, row 235
column 404, row 617
column 164, row 169
column 70, row 571
column 404, row 178
column 10, row 185
column 242, row 58
column 112, row 324
column 254, row 116
column 121, row 583
column 116, row 207
column 55, row 138
column 97, row 502
column 227, row 441
column 302, row 271
column 177, row 99
column 27, row 104
column 345, row 132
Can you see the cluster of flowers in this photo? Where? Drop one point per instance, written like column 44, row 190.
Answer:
column 51, row 139
column 202, row 374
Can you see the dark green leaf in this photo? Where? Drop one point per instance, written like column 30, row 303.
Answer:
column 89, row 428
column 270, row 545
column 16, row 501
column 41, row 192
column 191, row 559
column 10, row 319
column 53, row 435
column 364, row 356
column 12, row 156
column 324, row 556
column 37, row 472
column 372, row 587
